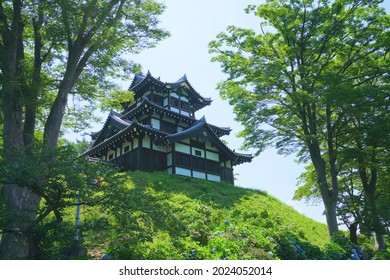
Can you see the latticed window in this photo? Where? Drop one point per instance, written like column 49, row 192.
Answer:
column 173, row 101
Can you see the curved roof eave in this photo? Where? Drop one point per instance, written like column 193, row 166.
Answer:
column 117, row 121
column 242, row 158
column 199, row 128
column 140, row 79
column 184, row 79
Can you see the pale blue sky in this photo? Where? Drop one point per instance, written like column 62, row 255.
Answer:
column 193, row 24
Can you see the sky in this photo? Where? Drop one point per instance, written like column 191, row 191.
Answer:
column 193, row 24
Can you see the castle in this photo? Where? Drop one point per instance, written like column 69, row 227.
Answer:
column 158, row 131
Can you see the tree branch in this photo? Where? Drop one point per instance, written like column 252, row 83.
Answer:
column 83, row 62
column 67, row 26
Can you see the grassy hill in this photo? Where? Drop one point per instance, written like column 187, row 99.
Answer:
column 160, row 216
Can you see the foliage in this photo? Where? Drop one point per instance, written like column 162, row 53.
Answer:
column 2, row 208
column 334, row 251
column 341, row 248
column 161, row 216
column 314, row 80
column 307, row 187
column 55, row 237
column 116, row 99
column 63, row 180
column 57, row 60
column 99, row 35
column 79, row 146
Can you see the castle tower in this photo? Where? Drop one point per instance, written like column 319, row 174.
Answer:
column 158, row 132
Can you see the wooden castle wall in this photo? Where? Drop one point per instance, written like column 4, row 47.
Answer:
column 190, row 157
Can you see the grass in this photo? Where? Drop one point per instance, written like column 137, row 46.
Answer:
column 161, row 216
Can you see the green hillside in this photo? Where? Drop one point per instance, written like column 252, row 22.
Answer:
column 160, row 216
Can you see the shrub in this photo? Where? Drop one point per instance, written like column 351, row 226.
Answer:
column 381, row 256
column 334, row 251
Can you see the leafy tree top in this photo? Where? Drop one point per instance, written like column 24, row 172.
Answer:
column 307, row 56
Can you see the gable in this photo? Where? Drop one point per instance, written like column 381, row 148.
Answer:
column 112, row 126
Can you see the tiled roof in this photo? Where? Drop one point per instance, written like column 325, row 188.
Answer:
column 220, row 131
column 199, row 128
column 140, row 80
column 100, row 143
column 202, row 129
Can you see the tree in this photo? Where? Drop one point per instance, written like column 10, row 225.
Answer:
column 351, row 210
column 363, row 154
column 368, row 151
column 285, row 81
column 63, row 180
column 49, row 50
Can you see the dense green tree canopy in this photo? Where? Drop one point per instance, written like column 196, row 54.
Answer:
column 297, row 82
column 56, row 59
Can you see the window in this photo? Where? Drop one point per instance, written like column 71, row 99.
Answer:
column 111, row 156
column 126, row 149
column 174, row 102
column 179, row 105
column 198, row 153
column 155, row 123
column 185, row 106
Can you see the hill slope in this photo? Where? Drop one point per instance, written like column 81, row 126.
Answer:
column 161, row 216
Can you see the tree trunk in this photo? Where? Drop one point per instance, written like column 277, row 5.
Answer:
column 380, row 243
column 369, row 187
column 22, row 205
column 376, row 226
column 57, row 111
column 329, row 196
column 54, row 121
column 353, row 233
column 31, row 96
column 330, row 213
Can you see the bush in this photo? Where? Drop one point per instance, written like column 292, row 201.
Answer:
column 235, row 243
column 290, row 246
column 334, row 251
column 381, row 256
column 55, row 239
